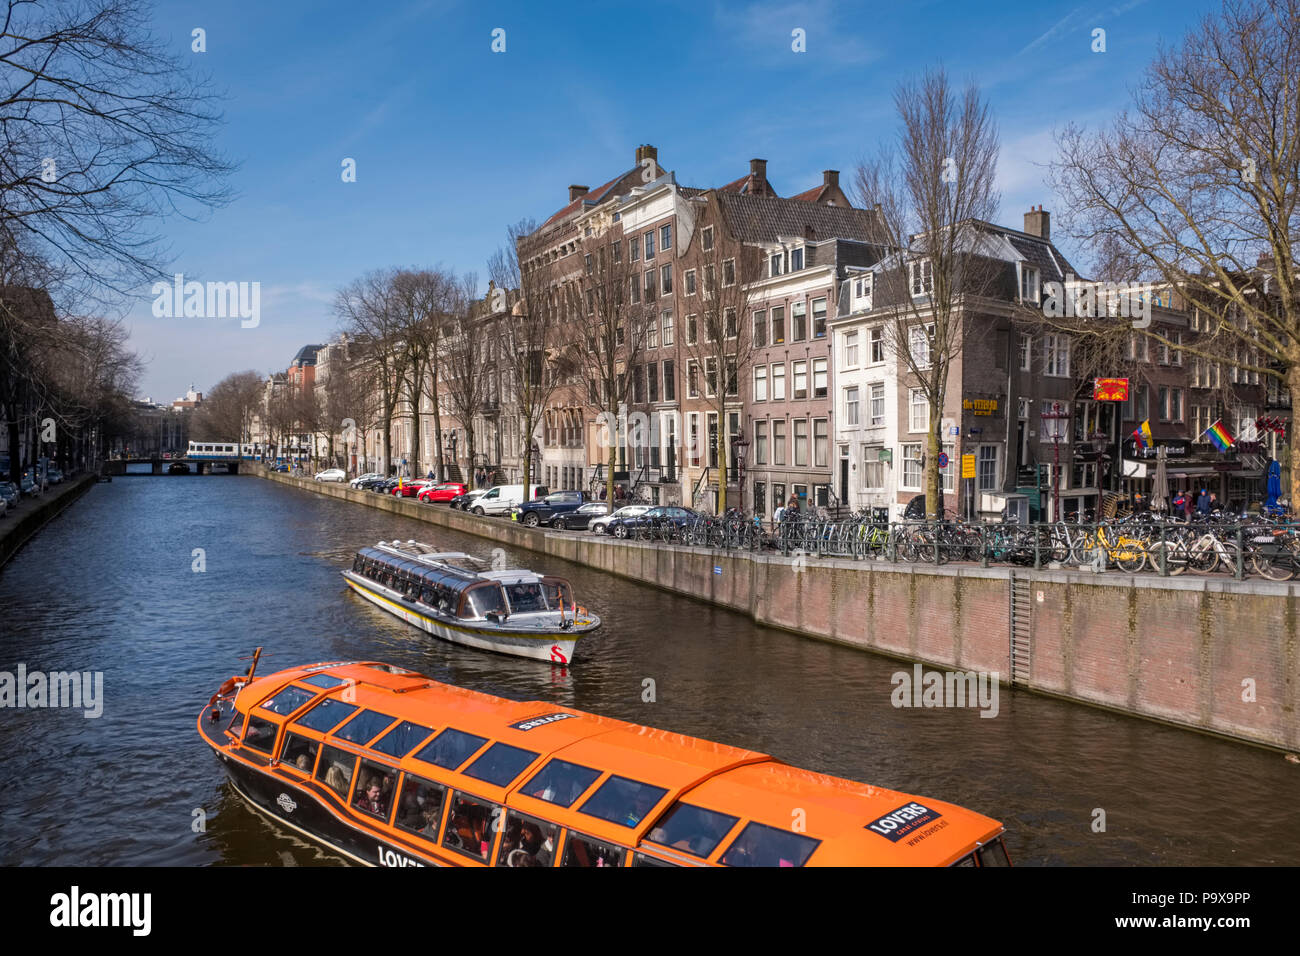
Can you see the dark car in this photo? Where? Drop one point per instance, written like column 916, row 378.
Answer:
column 280, row 467
column 9, row 493
column 462, row 502
column 650, row 521
column 582, row 517
column 372, row 484
column 546, row 510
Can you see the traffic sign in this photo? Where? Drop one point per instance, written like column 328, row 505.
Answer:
column 943, row 459
column 968, row 466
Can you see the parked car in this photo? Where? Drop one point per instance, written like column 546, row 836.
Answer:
column 409, row 488
column 280, row 467
column 441, row 491
column 600, row 525
column 545, row 510
column 54, row 476
column 356, row 482
column 581, row 517
column 4, row 507
column 464, row 501
column 373, row 483
column 501, row 498
column 9, row 492
column 28, row 485
column 650, row 519
column 332, row 474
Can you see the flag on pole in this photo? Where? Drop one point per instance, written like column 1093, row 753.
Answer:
column 1219, row 435
column 1142, row 436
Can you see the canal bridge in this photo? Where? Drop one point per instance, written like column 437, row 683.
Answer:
column 158, row 466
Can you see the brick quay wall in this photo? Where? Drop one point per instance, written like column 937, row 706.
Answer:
column 1205, row 653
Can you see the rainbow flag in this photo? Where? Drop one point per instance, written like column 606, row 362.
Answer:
column 1219, row 435
column 1142, row 436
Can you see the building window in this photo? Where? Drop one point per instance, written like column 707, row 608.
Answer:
column 986, row 468
column 731, row 326
column 617, row 252
column 728, row 272
column 692, row 329
column 1028, row 284
column 670, row 383
column 851, row 405
column 665, row 237
column 819, row 378
column 919, row 409
column 911, row 478
column 666, row 279
column 710, row 377
column 1056, row 356
column 634, row 246
column 666, row 322
column 1026, row 345
column 801, row 442
column 712, row 424
column 760, row 443
column 878, row 404
column 760, row 383
column 649, row 285
column 778, row 382
column 873, row 469
column 689, row 278
column 918, row 341
column 760, row 328
column 922, row 277
column 850, row 349
column 649, row 245
column 877, row 345
column 819, row 318
column 862, row 292
column 796, row 259
column 706, row 238
column 653, row 369
column 635, row 296
column 652, row 333
column 1177, row 338
column 693, row 379
column 798, row 322
column 800, row 372
column 778, row 325
column 778, row 442
column 693, row 424
column 821, row 444
column 774, row 264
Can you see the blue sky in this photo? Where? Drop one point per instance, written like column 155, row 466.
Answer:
column 453, row 142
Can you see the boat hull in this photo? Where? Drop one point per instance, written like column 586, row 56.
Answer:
column 550, row 647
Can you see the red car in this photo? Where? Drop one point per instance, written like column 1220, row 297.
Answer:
column 409, row 489
column 441, row 491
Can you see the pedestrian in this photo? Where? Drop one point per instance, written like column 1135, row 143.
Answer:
column 1203, row 504
column 1215, row 506
column 792, row 507
column 778, row 514
column 1180, row 505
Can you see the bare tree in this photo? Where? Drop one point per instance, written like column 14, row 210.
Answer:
column 463, row 359
column 605, row 310
column 718, row 342
column 1198, row 187
column 373, row 320
column 932, row 192
column 423, row 298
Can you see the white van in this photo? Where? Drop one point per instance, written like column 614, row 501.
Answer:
column 499, row 500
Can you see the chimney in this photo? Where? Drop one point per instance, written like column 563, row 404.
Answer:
column 1038, row 223
column 831, row 177
column 758, row 177
column 647, row 152
column 576, row 191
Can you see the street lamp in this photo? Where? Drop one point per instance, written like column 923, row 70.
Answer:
column 1056, row 415
column 741, row 444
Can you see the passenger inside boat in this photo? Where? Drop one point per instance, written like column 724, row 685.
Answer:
column 527, row 842
column 525, row 598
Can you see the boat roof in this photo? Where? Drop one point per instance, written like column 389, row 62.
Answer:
column 747, row 785
column 447, row 568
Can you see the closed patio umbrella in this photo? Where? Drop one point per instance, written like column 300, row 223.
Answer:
column 1160, row 492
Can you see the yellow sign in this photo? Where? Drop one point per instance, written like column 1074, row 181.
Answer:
column 980, row 406
column 968, row 466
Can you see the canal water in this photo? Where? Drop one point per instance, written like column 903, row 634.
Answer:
column 112, row 586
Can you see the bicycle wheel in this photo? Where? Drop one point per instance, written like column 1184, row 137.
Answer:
column 1274, row 564
column 1203, row 558
column 1129, row 555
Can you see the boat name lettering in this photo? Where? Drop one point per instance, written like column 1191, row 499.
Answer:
column 286, row 803
column 532, row 722
column 899, row 823
column 388, row 858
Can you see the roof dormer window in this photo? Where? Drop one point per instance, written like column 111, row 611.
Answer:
column 774, row 264
column 796, row 259
column 1029, row 285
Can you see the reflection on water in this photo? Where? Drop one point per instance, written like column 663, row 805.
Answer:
column 109, row 587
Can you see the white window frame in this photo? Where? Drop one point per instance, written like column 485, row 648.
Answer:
column 910, row 460
column 850, row 349
column 920, row 275
column 877, row 403
column 852, row 402
column 912, row 411
column 778, row 382
column 760, row 383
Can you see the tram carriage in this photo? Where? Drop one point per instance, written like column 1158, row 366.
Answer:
column 222, row 451
column 388, row 767
column 456, row 597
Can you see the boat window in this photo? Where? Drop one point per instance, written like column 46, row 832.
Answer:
column 469, row 828
column 560, row 782
column 450, row 749
column 622, row 801
column 693, row 829
column 645, row 859
column 364, row 727
column 525, row 598
column 260, row 734
column 584, row 851
column 420, row 809
column 500, row 764
column 559, row 594
column 375, row 788
column 359, row 563
column 402, row 739
column 335, row 769
column 299, row 752
column 527, row 841
column 482, row 599
column 287, row 701
column 326, row 715
column 236, row 725
column 994, row 854
column 760, row 845
column 324, row 680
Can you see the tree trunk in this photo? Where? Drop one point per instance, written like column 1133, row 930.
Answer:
column 722, row 464
column 609, row 477
column 1293, row 476
column 933, row 482
column 437, row 429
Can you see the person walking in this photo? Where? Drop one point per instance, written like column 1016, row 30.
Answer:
column 1180, row 506
column 1203, row 504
